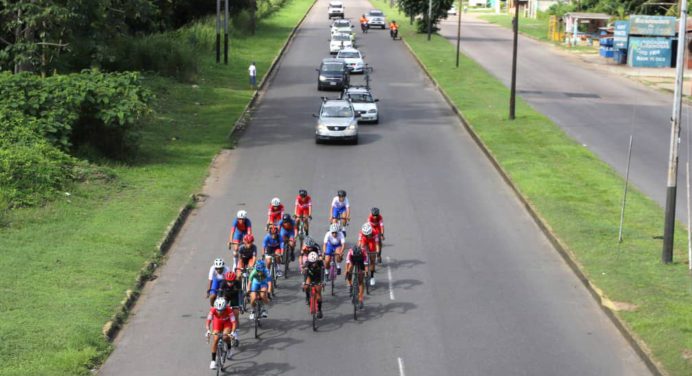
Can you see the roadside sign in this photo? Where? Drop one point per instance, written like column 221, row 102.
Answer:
column 649, row 52
column 620, row 34
column 659, row 26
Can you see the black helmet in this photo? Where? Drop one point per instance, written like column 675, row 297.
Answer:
column 286, row 217
column 375, row 211
column 357, row 251
column 302, row 193
column 341, row 193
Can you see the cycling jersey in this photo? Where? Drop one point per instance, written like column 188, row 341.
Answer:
column 377, row 224
column 338, row 204
column 221, row 320
column 271, row 244
column 307, row 249
column 287, row 226
column 368, row 242
column 333, row 242
column 259, row 279
column 275, row 213
column 314, row 270
column 240, row 229
column 303, row 206
column 361, row 260
column 217, row 278
column 231, row 292
column 247, row 252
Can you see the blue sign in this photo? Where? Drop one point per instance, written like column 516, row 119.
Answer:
column 654, row 26
column 620, row 34
column 649, row 52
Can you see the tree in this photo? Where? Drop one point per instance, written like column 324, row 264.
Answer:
column 414, row 8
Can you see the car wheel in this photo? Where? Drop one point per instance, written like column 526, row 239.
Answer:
column 377, row 121
column 317, row 141
column 355, row 141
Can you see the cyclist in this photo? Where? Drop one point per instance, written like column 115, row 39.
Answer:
column 275, row 212
column 272, row 246
column 356, row 256
column 247, row 253
column 377, row 224
column 222, row 322
column 393, row 29
column 230, row 290
column 288, row 231
column 341, row 209
column 216, row 277
column 367, row 241
column 313, row 275
column 303, row 209
column 258, row 283
column 334, row 243
column 364, row 23
column 309, row 245
column 241, row 227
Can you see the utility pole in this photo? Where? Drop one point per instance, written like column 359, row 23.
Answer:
column 459, row 32
column 225, row 33
column 429, row 18
column 218, row 31
column 671, row 193
column 513, row 89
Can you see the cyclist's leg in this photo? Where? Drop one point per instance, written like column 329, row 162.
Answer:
column 318, row 296
column 349, row 270
column 227, row 334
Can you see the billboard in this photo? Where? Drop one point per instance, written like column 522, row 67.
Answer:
column 649, row 52
column 655, row 26
column 620, row 34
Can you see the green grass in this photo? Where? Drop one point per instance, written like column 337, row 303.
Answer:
column 537, row 28
column 65, row 267
column 579, row 196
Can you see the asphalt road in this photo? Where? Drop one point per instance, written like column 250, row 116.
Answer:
column 598, row 109
column 475, row 288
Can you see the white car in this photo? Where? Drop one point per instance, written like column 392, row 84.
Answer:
column 376, row 19
column 452, row 11
column 339, row 41
column 363, row 104
column 337, row 121
column 342, row 26
column 336, row 9
column 353, row 59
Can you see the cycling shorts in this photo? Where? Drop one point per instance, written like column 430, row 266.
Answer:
column 302, row 212
column 220, row 325
column 272, row 250
column 215, row 283
column 238, row 236
column 331, row 249
column 337, row 212
column 286, row 233
column 257, row 285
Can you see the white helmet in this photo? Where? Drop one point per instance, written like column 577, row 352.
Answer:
column 312, row 256
column 220, row 304
column 366, row 229
column 276, row 201
column 334, row 227
column 242, row 214
column 218, row 263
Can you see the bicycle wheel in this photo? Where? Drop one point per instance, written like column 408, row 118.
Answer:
column 366, row 281
column 354, row 297
column 258, row 312
column 313, row 309
column 220, row 356
column 273, row 275
column 286, row 261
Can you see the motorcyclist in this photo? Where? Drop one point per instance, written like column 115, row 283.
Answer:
column 364, row 23
column 393, row 29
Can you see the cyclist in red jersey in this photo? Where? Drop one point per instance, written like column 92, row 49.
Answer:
column 223, row 324
column 275, row 212
column 303, row 209
column 367, row 241
column 377, row 224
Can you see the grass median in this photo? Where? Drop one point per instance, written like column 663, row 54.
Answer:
column 579, row 196
column 66, row 266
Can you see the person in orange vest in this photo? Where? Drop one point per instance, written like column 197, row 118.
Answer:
column 393, row 29
column 364, row 24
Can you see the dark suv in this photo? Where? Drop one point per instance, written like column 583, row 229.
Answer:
column 332, row 74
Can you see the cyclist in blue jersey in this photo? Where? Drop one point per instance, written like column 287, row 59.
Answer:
column 340, row 211
column 272, row 246
column 334, row 243
column 288, row 232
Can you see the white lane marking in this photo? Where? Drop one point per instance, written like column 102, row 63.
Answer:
column 391, row 287
column 401, row 367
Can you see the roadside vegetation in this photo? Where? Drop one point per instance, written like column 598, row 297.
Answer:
column 579, row 196
column 81, row 218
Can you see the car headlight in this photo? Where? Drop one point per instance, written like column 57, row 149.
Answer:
column 352, row 126
column 321, row 127
column 323, row 78
column 373, row 111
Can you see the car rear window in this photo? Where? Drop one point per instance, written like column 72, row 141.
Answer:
column 348, row 55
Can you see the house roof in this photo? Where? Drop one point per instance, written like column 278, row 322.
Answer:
column 589, row 16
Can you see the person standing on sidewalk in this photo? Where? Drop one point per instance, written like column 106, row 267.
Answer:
column 252, row 70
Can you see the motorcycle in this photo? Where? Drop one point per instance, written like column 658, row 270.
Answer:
column 364, row 27
column 394, row 33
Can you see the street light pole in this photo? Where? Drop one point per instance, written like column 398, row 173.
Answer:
column 458, row 32
column 218, row 31
column 513, row 89
column 225, row 33
column 671, row 193
column 429, row 18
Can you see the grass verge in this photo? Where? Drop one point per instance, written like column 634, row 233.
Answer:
column 579, row 197
column 66, row 266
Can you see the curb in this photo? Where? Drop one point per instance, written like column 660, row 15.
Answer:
column 637, row 345
column 111, row 329
column 241, row 123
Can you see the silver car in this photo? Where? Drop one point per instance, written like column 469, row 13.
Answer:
column 337, row 121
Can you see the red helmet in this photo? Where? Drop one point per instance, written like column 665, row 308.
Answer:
column 230, row 276
column 248, row 238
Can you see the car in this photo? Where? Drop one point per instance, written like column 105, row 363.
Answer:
column 342, row 26
column 452, row 11
column 336, row 9
column 339, row 41
column 337, row 121
column 332, row 74
column 376, row 19
column 353, row 59
column 363, row 103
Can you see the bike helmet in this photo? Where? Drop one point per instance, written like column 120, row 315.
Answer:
column 302, row 193
column 312, row 256
column 230, row 276
column 273, row 229
column 309, row 242
column 276, row 201
column 248, row 238
column 286, row 217
column 242, row 214
column 220, row 304
column 375, row 211
column 334, row 227
column 366, row 229
column 218, row 263
column 341, row 193
column 259, row 265
column 357, row 251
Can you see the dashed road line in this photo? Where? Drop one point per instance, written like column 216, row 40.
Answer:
column 401, row 367
column 391, row 286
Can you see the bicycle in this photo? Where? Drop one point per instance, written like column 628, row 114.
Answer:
column 258, row 313
column 245, row 298
column 313, row 307
column 272, row 274
column 223, row 351
column 355, row 289
column 302, row 231
column 286, row 258
column 332, row 272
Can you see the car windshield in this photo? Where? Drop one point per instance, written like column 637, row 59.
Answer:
column 341, row 37
column 332, row 68
column 348, row 55
column 376, row 13
column 340, row 111
column 361, row 98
